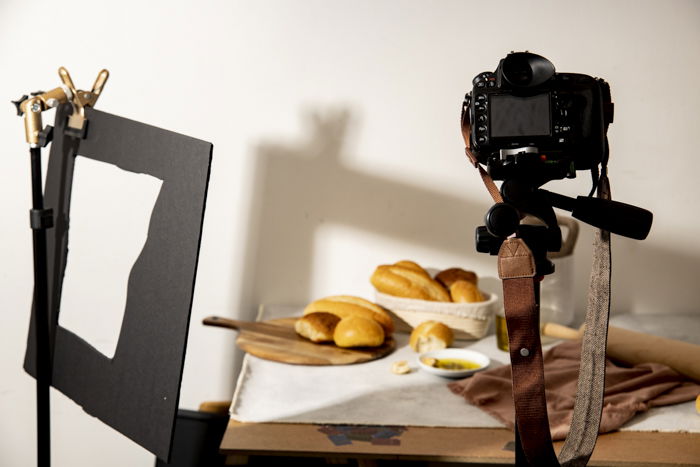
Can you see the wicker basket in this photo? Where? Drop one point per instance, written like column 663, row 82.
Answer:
column 467, row 320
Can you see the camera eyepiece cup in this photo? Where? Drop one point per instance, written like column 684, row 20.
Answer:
column 525, row 69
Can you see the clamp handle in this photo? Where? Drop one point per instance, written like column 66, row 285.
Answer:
column 81, row 99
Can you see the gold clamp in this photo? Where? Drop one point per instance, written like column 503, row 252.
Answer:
column 32, row 107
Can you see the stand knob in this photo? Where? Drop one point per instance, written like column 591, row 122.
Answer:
column 18, row 104
column 502, row 220
column 487, row 243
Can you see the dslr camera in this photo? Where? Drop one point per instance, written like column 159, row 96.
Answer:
column 528, row 121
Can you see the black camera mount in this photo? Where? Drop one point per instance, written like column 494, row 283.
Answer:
column 504, row 219
column 521, row 198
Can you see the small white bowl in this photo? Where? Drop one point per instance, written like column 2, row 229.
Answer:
column 464, row 354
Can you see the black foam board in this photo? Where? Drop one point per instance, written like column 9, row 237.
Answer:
column 137, row 391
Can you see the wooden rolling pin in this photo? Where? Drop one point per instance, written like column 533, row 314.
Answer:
column 635, row 347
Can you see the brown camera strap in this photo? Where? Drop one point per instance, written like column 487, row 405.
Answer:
column 521, row 302
column 488, row 181
column 516, row 268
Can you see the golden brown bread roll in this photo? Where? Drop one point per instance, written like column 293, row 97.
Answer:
column 317, row 327
column 465, row 292
column 404, row 282
column 413, row 266
column 357, row 331
column 431, row 335
column 448, row 276
column 349, row 305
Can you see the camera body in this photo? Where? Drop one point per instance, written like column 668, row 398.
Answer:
column 527, row 121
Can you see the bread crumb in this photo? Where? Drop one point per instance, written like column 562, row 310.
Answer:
column 429, row 361
column 400, row 368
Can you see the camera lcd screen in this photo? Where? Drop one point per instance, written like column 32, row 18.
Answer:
column 520, row 116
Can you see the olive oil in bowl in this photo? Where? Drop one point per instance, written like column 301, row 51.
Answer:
column 453, row 363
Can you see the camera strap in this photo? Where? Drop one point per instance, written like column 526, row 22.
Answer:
column 488, row 181
column 516, row 268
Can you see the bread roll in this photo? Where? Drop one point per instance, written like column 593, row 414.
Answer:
column 413, row 266
column 431, row 335
column 448, row 276
column 317, row 327
column 358, row 331
column 348, row 305
column 465, row 292
column 404, row 282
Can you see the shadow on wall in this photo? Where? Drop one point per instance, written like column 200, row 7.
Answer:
column 651, row 280
column 299, row 187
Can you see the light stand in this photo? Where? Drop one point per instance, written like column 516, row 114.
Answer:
column 41, row 219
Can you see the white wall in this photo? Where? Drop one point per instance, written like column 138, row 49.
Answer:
column 337, row 148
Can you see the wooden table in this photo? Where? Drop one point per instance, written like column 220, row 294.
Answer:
column 463, row 445
column 476, row 446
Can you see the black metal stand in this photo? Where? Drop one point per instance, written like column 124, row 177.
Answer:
column 40, row 220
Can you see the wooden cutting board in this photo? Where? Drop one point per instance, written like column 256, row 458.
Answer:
column 276, row 340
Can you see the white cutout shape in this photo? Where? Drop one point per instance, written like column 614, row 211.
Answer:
column 109, row 216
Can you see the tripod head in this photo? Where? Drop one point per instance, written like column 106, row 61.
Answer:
column 522, row 197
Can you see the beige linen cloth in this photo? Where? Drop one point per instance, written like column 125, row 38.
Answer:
column 628, row 391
